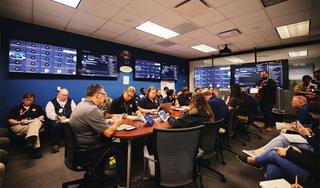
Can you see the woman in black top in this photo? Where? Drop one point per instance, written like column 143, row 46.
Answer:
column 149, row 104
column 199, row 113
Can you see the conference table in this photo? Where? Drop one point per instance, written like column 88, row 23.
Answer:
column 140, row 131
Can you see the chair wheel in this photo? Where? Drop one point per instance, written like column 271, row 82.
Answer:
column 223, row 179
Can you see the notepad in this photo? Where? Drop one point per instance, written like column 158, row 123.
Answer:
column 295, row 138
column 278, row 183
column 125, row 127
column 283, row 125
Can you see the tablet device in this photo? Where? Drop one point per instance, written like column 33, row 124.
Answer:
column 163, row 115
column 149, row 120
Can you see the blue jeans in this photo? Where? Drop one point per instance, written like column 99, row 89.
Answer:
column 281, row 141
column 279, row 167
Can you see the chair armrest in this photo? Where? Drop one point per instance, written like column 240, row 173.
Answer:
column 200, row 152
column 147, row 156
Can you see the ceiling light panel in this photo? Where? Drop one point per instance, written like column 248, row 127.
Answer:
column 298, row 53
column 204, row 48
column 70, row 3
column 293, row 30
column 234, row 59
column 157, row 30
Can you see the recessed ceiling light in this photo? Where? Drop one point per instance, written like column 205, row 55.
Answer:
column 234, row 59
column 157, row 30
column 298, row 53
column 293, row 30
column 204, row 48
column 70, row 3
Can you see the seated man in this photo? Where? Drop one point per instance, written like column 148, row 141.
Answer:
column 58, row 111
column 298, row 102
column 93, row 133
column 26, row 119
column 218, row 106
column 126, row 103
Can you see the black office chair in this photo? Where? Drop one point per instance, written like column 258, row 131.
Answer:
column 174, row 161
column 209, row 145
column 70, row 160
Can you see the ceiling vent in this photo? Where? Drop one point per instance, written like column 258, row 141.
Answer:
column 185, row 28
column 267, row 3
column 192, row 8
column 229, row 33
column 166, row 43
column 225, row 50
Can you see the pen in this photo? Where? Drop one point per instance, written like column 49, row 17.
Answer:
column 296, row 182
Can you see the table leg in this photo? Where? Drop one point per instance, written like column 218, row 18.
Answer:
column 129, row 164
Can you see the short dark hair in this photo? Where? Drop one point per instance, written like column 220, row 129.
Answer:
column 314, row 107
column 166, row 88
column 28, row 95
column 306, row 78
column 93, row 89
column 170, row 92
column 141, row 89
column 265, row 71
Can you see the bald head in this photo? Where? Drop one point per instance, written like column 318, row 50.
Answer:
column 63, row 95
column 298, row 101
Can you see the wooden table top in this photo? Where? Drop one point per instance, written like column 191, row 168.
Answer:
column 142, row 130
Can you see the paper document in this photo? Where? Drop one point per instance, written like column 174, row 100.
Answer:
column 278, row 183
column 254, row 90
column 125, row 127
column 283, row 125
column 295, row 138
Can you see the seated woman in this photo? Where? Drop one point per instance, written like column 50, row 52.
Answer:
column 199, row 113
column 184, row 96
column 171, row 98
column 291, row 161
column 149, row 104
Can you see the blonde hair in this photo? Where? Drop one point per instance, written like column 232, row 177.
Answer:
column 199, row 102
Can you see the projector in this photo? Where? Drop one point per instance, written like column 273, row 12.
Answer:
column 225, row 50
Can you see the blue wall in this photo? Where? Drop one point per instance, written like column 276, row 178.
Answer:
column 44, row 87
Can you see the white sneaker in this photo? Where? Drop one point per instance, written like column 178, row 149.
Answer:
column 251, row 153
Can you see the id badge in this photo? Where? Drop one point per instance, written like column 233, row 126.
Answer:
column 60, row 110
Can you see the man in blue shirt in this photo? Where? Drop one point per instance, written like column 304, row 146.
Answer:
column 303, row 116
column 218, row 106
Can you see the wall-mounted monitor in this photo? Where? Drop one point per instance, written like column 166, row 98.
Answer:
column 98, row 65
column 218, row 76
column 169, row 72
column 247, row 75
column 38, row 58
column 146, row 69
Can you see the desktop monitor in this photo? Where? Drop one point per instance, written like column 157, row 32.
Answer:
column 147, row 70
column 169, row 72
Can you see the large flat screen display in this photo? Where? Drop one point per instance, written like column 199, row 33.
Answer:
column 31, row 57
column 98, row 65
column 146, row 69
column 247, row 75
column 169, row 72
column 218, row 76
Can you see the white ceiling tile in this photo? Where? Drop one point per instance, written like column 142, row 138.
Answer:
column 128, row 19
column 152, row 39
column 269, row 43
column 133, row 33
column 85, row 18
column 169, row 3
column 220, row 27
column 15, row 12
column 262, row 33
column 218, row 3
column 288, row 7
column 239, row 7
column 115, row 27
column 250, row 18
column 103, row 34
column 118, row 3
column 98, row 8
column 21, row 3
column 212, row 41
column 197, row 34
column 291, row 18
column 145, row 9
column 50, row 21
column 53, row 8
column 125, row 39
column 80, row 28
column 208, row 18
column 267, row 39
column 256, row 27
column 179, row 39
column 168, row 19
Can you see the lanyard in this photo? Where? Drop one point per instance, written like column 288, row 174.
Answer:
column 125, row 106
column 23, row 112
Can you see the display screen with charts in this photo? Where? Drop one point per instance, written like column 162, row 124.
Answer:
column 217, row 76
column 98, row 64
column 146, row 69
column 169, row 72
column 38, row 58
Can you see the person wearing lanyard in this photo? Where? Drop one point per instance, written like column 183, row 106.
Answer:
column 58, row 111
column 149, row 104
column 27, row 119
column 126, row 103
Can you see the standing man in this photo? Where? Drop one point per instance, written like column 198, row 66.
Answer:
column 93, row 133
column 267, row 98
column 26, row 119
column 58, row 111
column 126, row 103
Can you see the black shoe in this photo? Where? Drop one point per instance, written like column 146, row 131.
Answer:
column 243, row 159
column 36, row 153
column 55, row 149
